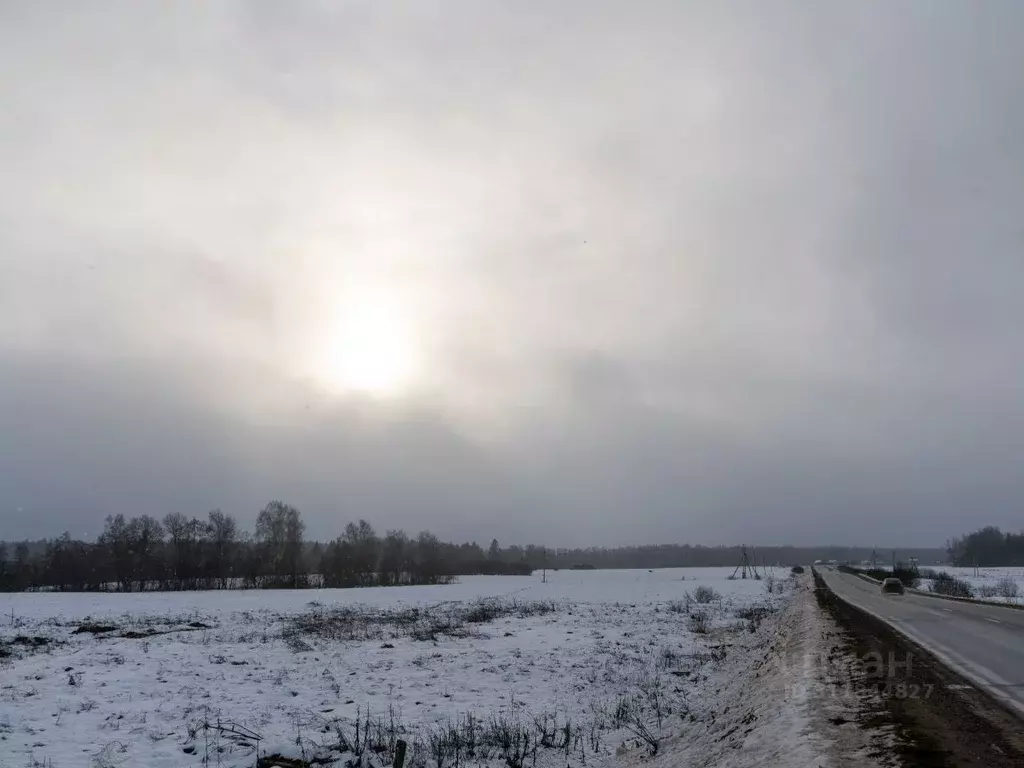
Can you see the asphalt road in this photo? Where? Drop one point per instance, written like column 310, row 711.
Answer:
column 983, row 643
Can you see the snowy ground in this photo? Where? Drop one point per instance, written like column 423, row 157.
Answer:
column 225, row 676
column 985, row 581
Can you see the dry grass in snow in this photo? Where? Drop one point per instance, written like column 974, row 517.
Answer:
column 491, row 671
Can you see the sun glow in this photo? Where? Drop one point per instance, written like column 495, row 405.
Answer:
column 371, row 349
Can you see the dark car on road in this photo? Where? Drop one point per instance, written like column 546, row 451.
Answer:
column 892, row 586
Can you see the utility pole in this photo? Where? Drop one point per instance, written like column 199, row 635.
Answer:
column 746, row 563
column 544, row 554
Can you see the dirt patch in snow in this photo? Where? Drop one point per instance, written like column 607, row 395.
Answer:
column 94, row 629
column 33, row 641
column 145, row 631
column 22, row 644
column 278, row 761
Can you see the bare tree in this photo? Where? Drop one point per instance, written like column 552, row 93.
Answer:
column 365, row 551
column 394, row 558
column 145, row 535
column 185, row 537
column 280, row 528
column 336, row 564
column 7, row 581
column 116, row 540
column 223, row 534
column 21, row 572
column 428, row 557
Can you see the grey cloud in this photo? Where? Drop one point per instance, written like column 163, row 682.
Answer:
column 676, row 271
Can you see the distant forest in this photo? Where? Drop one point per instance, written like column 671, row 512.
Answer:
column 182, row 553
column 988, row 546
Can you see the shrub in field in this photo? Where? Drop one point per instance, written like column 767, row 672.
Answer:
column 513, row 739
column 704, row 595
column 699, row 623
column 1007, row 588
column 944, row 584
column 797, row 569
column 629, row 713
column 655, row 696
column 910, row 577
column 669, row 658
column 483, row 611
column 432, row 626
column 546, row 727
column 487, row 610
column 754, row 615
column 988, row 590
column 444, row 740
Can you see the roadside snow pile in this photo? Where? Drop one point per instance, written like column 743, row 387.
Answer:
column 491, row 671
column 755, row 711
column 788, row 697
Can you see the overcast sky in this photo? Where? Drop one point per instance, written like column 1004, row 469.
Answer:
column 565, row 272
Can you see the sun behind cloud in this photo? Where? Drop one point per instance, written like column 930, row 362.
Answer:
column 370, row 349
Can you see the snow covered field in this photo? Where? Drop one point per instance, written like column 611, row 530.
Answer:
column 177, row 679
column 986, row 582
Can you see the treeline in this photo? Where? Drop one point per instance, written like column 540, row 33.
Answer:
column 693, row 556
column 181, row 553
column 987, row 546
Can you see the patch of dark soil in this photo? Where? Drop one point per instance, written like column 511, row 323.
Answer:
column 198, row 625
column 276, row 761
column 28, row 643
column 95, row 629
column 132, row 634
column 142, row 634
column 941, row 720
column 31, row 642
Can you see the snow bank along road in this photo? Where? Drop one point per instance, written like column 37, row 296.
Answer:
column 983, row 643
